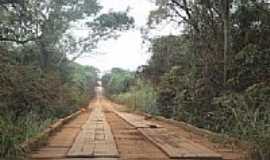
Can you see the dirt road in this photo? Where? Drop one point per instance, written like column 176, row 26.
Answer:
column 105, row 133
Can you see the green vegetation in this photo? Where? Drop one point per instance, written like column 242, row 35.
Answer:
column 38, row 82
column 117, row 81
column 123, row 87
column 31, row 99
column 215, row 75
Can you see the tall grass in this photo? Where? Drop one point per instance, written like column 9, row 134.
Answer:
column 141, row 97
column 13, row 133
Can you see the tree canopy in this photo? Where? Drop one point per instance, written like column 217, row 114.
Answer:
column 46, row 23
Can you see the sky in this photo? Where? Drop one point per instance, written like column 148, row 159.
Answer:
column 127, row 51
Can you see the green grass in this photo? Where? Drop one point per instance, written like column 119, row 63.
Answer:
column 14, row 133
column 141, row 98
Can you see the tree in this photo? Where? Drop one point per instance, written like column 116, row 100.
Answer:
column 227, row 40
column 46, row 23
column 230, row 79
column 117, row 81
column 167, row 51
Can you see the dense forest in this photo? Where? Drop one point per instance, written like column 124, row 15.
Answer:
column 39, row 80
column 215, row 75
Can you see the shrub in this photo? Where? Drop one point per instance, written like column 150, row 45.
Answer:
column 141, row 97
column 247, row 116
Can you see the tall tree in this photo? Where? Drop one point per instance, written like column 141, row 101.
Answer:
column 227, row 28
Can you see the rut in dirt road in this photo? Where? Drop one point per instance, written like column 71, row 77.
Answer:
column 104, row 133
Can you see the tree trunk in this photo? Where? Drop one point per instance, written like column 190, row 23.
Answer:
column 44, row 55
column 226, row 19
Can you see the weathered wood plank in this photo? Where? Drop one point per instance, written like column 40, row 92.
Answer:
column 136, row 120
column 49, row 153
column 178, row 147
column 79, row 159
column 95, row 139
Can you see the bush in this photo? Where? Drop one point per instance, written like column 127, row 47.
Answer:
column 247, row 116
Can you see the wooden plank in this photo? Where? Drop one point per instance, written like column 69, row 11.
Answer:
column 136, row 120
column 95, row 139
column 178, row 147
column 174, row 146
column 47, row 153
column 78, row 159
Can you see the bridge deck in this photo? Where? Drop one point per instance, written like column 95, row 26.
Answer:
column 107, row 134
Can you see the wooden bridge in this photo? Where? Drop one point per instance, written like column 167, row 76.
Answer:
column 105, row 133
